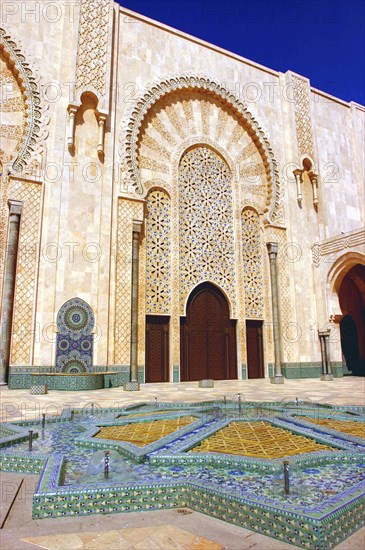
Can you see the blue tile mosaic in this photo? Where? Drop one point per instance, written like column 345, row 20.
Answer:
column 75, row 341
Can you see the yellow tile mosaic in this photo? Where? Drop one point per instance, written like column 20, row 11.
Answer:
column 144, row 433
column 345, row 426
column 258, row 439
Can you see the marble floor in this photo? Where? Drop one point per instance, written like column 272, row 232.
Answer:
column 186, row 530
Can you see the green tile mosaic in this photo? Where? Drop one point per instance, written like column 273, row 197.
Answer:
column 176, row 374
column 141, row 374
column 244, row 371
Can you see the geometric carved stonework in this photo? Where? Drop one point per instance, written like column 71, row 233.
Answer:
column 27, row 269
column 302, row 115
column 200, row 109
column 252, row 265
column 75, row 322
column 158, row 268
column 93, row 45
column 206, row 223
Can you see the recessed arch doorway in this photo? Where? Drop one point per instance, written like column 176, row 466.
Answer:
column 352, row 326
column 207, row 337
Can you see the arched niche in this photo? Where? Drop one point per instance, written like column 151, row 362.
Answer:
column 75, row 341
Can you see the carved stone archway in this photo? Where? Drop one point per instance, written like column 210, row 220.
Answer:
column 209, row 90
column 35, row 120
column 335, row 277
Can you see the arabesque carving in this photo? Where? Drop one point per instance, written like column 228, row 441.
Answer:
column 131, row 132
column 35, row 113
column 93, row 45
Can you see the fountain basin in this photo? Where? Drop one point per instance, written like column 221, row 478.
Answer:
column 327, row 498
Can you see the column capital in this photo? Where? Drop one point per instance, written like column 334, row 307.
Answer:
column 297, row 172
column 272, row 249
column 324, row 333
column 101, row 117
column 73, row 108
column 15, row 207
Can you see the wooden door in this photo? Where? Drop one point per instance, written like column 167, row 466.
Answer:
column 157, row 348
column 207, row 337
column 255, row 363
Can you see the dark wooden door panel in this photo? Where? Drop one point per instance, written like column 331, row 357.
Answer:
column 255, row 365
column 197, row 354
column 208, row 337
column 157, row 349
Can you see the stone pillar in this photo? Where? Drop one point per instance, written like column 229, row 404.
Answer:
column 15, row 210
column 327, row 375
column 101, row 123
column 314, row 181
column 298, row 180
column 133, row 385
column 272, row 249
column 72, row 109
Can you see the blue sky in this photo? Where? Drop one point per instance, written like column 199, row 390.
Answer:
column 323, row 40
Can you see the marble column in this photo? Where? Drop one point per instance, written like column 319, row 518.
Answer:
column 15, row 210
column 324, row 339
column 133, row 385
column 272, row 249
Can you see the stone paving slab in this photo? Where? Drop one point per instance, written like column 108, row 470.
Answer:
column 17, row 404
column 10, row 484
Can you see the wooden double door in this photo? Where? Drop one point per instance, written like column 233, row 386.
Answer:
column 207, row 337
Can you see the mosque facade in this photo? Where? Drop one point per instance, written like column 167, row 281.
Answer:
column 171, row 211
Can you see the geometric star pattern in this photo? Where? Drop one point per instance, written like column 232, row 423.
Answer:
column 158, row 268
column 252, row 265
column 206, row 222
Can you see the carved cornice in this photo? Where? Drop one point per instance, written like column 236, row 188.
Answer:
column 29, row 83
column 337, row 243
column 130, row 131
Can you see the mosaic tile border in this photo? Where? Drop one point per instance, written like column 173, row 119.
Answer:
column 315, row 532
column 20, row 377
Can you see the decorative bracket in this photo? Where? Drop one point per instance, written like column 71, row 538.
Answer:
column 306, row 170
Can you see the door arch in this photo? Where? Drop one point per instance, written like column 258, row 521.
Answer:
column 352, row 326
column 207, row 337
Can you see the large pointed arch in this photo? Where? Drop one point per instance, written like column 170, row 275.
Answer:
column 36, row 122
column 131, row 132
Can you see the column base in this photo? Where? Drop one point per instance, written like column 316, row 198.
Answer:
column 277, row 379
column 327, row 378
column 131, row 386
